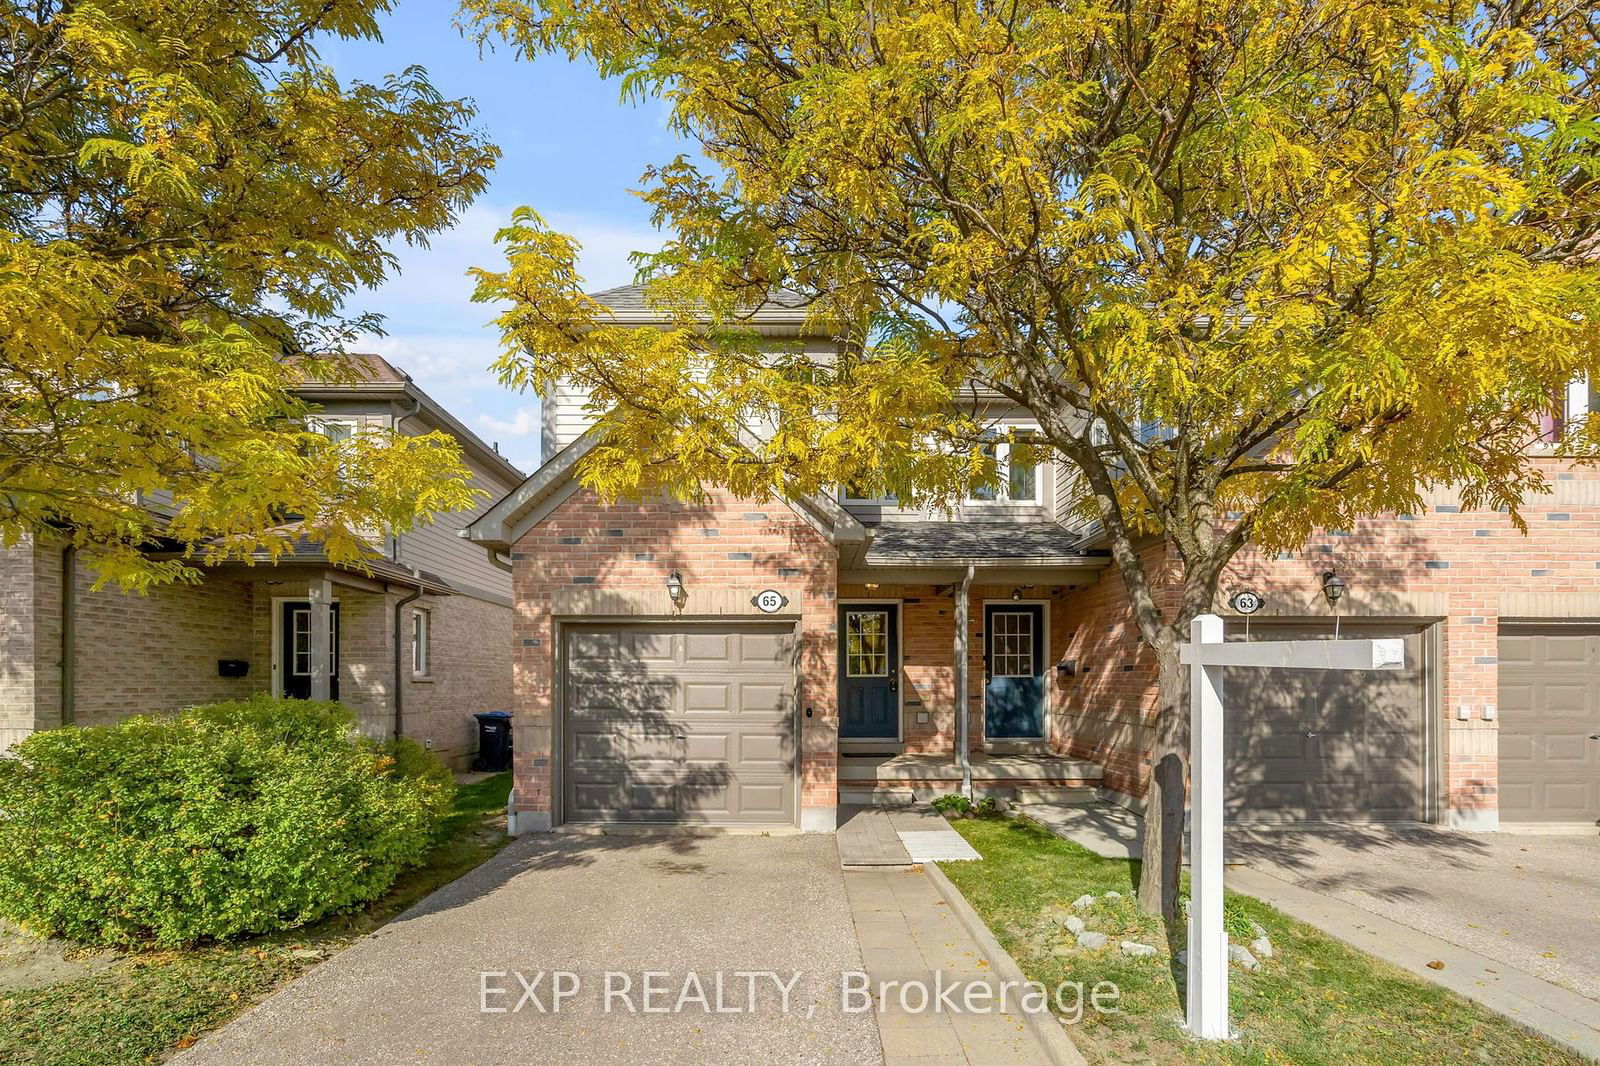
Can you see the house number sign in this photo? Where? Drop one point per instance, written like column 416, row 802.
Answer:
column 1247, row 601
column 769, row 601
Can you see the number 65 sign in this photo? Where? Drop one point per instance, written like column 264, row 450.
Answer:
column 769, row 601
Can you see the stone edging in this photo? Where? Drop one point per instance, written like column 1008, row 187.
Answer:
column 1057, row 1044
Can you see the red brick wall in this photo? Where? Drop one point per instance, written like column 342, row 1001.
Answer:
column 1103, row 712
column 726, row 549
column 1464, row 570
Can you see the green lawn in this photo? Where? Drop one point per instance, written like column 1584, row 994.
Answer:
column 1315, row 1001
column 148, row 1005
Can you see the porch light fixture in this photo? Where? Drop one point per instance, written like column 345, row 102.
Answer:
column 1333, row 592
column 676, row 591
column 1016, row 594
column 871, row 586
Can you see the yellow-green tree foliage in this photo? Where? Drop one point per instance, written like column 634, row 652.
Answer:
column 1255, row 266
column 187, row 198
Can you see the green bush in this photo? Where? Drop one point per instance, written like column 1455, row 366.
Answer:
column 223, row 820
column 954, row 805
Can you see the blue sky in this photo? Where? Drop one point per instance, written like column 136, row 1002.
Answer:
column 572, row 151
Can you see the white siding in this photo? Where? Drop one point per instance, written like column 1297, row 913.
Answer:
column 564, row 417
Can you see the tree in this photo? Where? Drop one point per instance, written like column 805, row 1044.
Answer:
column 1255, row 266
column 188, row 198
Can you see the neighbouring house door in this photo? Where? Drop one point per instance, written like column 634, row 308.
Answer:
column 1013, row 696
column 295, row 652
column 869, row 671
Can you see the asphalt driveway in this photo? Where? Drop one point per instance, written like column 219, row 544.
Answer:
column 769, row 914
column 1529, row 901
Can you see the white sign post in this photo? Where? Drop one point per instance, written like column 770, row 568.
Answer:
column 1206, row 655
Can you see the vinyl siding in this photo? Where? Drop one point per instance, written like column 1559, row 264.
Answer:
column 439, row 550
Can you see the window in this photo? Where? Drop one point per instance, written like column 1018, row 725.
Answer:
column 866, row 644
column 858, row 492
column 421, row 641
column 337, row 431
column 1017, row 469
column 1011, row 644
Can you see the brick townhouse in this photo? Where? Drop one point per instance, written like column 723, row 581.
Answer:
column 733, row 662
column 415, row 641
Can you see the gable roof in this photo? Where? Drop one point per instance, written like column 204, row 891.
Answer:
column 373, row 376
column 524, row 507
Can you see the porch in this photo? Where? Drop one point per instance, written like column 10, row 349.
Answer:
column 956, row 637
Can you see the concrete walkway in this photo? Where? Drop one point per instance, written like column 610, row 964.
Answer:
column 917, row 932
column 415, row 991
column 897, row 836
column 1515, row 919
column 1555, row 1012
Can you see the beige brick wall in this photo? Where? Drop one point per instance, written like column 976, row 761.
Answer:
column 159, row 651
column 470, row 672
column 18, row 639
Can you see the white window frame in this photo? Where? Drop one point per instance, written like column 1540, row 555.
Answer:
column 421, row 642
column 1002, row 462
column 873, row 501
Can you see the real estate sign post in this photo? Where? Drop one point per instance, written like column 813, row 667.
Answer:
column 1206, row 655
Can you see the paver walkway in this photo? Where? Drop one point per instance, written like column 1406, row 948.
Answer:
column 897, row 836
column 909, row 932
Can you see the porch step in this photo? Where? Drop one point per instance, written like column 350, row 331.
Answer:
column 1069, row 797
column 878, row 797
column 997, row 770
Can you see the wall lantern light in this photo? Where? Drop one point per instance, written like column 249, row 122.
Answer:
column 675, row 589
column 1332, row 588
column 1333, row 592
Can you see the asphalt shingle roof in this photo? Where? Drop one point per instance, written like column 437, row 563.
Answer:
column 922, row 541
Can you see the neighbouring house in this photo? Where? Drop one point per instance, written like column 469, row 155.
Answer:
column 732, row 662
column 415, row 642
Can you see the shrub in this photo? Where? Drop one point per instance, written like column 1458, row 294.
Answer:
column 219, row 821
column 954, row 805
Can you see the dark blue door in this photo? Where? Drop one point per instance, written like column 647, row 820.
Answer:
column 1013, row 656
column 869, row 671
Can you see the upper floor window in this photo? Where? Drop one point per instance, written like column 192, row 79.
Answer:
column 858, row 492
column 1017, row 467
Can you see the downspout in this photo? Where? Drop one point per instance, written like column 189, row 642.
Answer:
column 963, row 696
column 399, row 692
column 69, row 630
column 399, row 607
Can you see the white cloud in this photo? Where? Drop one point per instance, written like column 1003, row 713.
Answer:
column 524, row 423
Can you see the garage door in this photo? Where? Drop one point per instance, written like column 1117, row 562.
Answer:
column 1549, row 713
column 680, row 724
column 1327, row 745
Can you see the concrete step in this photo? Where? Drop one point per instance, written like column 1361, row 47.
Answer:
column 1074, row 797
column 877, row 797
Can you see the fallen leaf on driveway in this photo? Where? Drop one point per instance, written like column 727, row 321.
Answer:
column 1436, row 964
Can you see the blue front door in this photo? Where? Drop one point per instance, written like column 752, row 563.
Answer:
column 1013, row 657
column 869, row 671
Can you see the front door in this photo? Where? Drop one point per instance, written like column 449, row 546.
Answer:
column 295, row 654
column 869, row 671
column 1013, row 697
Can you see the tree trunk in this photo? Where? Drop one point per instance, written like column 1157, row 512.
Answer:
column 1165, row 799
